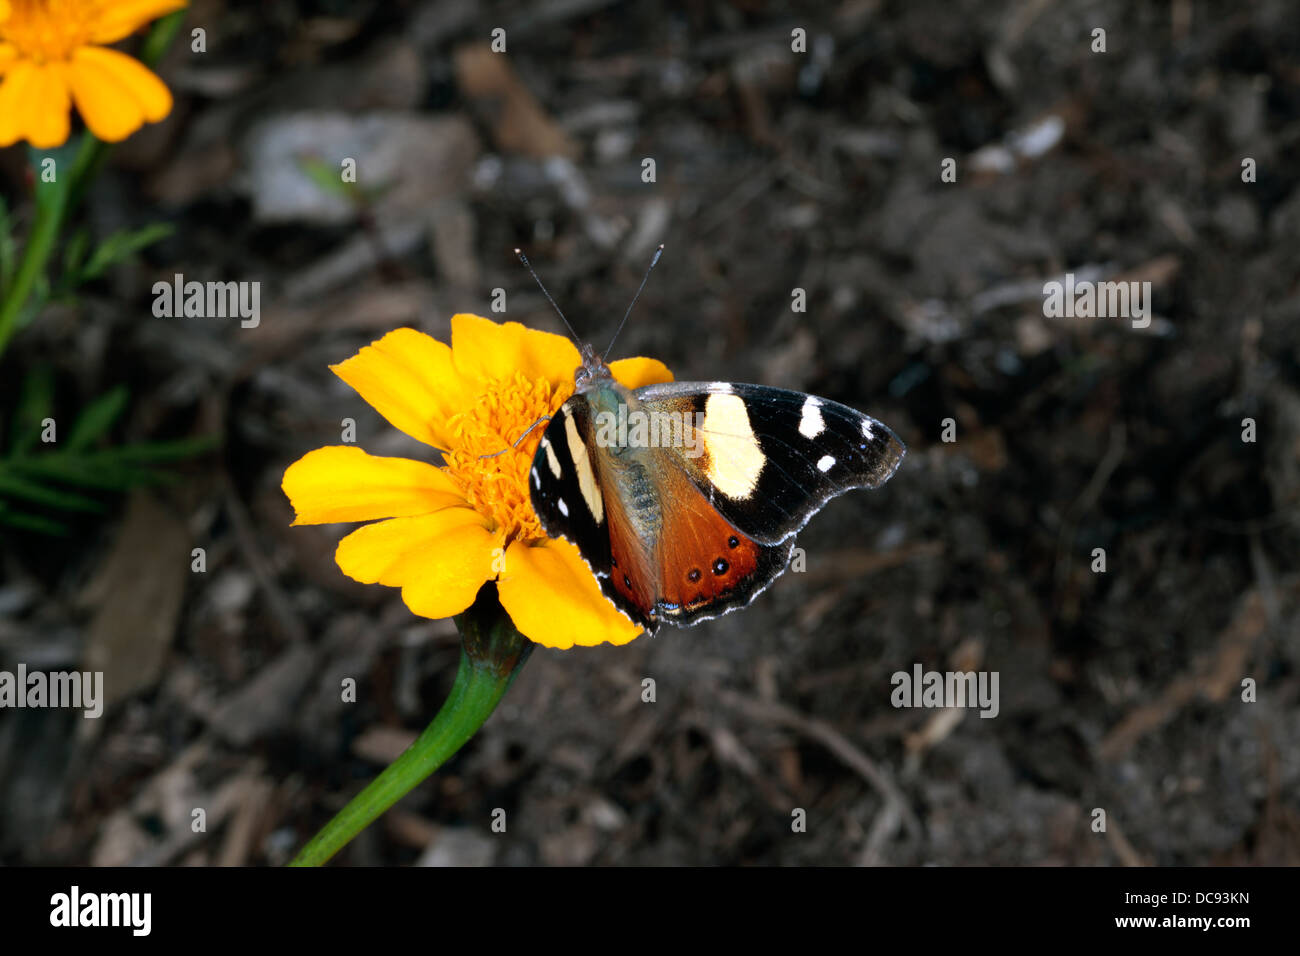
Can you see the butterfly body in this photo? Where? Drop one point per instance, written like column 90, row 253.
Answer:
column 684, row 498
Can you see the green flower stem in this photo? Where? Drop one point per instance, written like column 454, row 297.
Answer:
column 55, row 200
column 492, row 653
column 51, row 208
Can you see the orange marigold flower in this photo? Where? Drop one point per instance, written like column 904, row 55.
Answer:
column 53, row 54
column 454, row 527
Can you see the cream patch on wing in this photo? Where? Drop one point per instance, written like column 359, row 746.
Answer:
column 582, row 465
column 735, row 459
column 551, row 460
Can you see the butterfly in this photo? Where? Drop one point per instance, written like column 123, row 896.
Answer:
column 684, row 498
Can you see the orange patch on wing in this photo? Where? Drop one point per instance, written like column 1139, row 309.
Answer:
column 702, row 558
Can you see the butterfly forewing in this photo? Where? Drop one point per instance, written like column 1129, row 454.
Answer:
column 563, row 485
column 576, row 498
column 768, row 459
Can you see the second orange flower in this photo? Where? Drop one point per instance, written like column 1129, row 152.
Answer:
column 54, row 53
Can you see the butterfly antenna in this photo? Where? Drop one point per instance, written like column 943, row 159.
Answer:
column 529, row 266
column 653, row 262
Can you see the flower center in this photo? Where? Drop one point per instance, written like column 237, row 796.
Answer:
column 498, row 486
column 50, row 30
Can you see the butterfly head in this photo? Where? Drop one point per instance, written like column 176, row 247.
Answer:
column 592, row 373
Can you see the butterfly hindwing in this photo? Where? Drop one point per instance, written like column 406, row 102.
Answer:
column 768, row 459
column 706, row 566
column 632, row 582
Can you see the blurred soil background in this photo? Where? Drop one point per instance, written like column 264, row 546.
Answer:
column 774, row 170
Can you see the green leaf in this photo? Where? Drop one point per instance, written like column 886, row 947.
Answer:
column 160, row 37
column 35, row 403
column 28, row 522
column 87, row 471
column 96, row 419
column 327, row 178
column 8, row 249
column 165, row 451
column 15, row 486
column 74, row 255
column 41, row 294
column 120, row 246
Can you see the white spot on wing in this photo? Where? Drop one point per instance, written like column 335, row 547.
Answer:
column 551, row 460
column 564, row 509
column 537, row 479
column 811, row 423
column 735, row 459
column 825, row 463
column 866, row 427
column 720, row 388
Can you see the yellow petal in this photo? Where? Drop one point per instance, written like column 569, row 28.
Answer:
column 124, row 17
column 48, row 108
column 115, row 94
column 108, row 110
column 554, row 599
column 371, row 552
column 141, row 83
column 15, row 96
column 4, row 10
column 7, row 55
column 23, row 103
column 487, row 351
column 439, row 560
column 410, row 379
column 635, row 372
column 343, row 483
